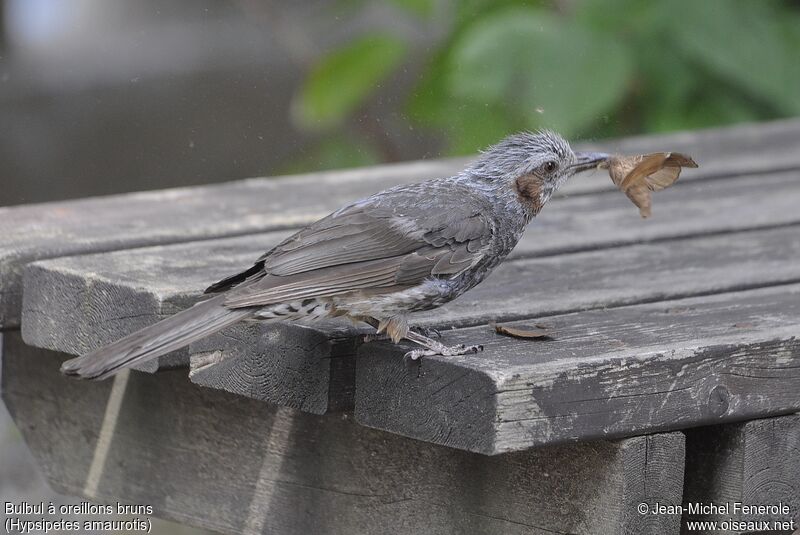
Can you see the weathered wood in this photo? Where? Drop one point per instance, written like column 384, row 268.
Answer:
column 257, row 363
column 76, row 304
column 311, row 369
column 34, row 232
column 50, row 230
column 633, row 274
column 750, row 463
column 725, row 151
column 209, row 458
column 72, row 304
column 572, row 224
column 608, row 373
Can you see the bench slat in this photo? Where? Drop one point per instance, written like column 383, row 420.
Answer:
column 627, row 275
column 76, row 304
column 220, row 461
column 257, row 360
column 34, row 232
column 609, row 372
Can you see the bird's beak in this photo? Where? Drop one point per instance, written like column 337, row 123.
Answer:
column 588, row 160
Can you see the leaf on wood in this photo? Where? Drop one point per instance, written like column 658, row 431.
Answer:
column 638, row 176
column 541, row 332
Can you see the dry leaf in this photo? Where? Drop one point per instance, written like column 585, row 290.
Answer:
column 542, row 332
column 638, row 176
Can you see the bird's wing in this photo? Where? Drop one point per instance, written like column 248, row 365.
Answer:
column 392, row 240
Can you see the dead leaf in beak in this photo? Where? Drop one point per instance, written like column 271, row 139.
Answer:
column 638, row 176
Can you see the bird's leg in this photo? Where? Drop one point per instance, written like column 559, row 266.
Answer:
column 373, row 337
column 432, row 347
column 422, row 331
column 377, row 335
column 430, row 332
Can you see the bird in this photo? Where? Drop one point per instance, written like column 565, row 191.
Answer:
column 409, row 248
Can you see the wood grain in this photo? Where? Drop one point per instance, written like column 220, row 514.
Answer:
column 752, row 463
column 50, row 230
column 85, row 301
column 223, row 462
column 609, row 372
column 311, row 369
column 627, row 275
column 689, row 319
column 76, row 304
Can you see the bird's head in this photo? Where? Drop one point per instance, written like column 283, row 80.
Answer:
column 532, row 166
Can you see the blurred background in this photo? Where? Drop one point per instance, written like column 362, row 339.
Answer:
column 99, row 97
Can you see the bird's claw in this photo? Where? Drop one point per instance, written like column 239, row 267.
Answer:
column 446, row 351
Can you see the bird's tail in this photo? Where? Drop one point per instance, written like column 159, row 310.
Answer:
column 175, row 332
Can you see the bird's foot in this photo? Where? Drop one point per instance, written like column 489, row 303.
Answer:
column 443, row 350
column 426, row 332
column 431, row 347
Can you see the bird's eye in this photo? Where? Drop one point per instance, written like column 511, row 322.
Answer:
column 549, row 167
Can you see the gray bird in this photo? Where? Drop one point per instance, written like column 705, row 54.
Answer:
column 406, row 249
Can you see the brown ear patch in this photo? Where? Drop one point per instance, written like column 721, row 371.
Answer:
column 529, row 189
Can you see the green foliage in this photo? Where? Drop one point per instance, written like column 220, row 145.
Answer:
column 420, row 8
column 752, row 45
column 591, row 68
column 341, row 81
column 539, row 67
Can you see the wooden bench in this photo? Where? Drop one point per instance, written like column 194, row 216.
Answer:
column 687, row 321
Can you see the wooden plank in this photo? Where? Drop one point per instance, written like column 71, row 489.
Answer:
column 752, row 463
column 79, row 303
column 75, row 304
column 306, row 368
column 608, row 373
column 257, row 363
column 49, row 230
column 34, row 232
column 223, row 462
column 627, row 275
column 726, row 151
